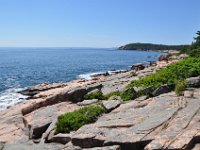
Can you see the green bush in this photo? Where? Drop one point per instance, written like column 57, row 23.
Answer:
column 178, row 71
column 72, row 121
column 180, row 87
column 127, row 95
column 96, row 95
column 194, row 52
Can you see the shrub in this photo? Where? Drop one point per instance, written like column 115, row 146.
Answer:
column 96, row 95
column 178, row 71
column 180, row 87
column 127, row 95
column 194, row 52
column 74, row 120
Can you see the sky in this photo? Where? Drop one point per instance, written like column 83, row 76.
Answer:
column 97, row 23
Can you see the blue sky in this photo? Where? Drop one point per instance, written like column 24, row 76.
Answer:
column 97, row 23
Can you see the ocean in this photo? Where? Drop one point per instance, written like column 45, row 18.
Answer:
column 24, row 67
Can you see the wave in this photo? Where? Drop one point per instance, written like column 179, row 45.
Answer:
column 11, row 97
column 89, row 76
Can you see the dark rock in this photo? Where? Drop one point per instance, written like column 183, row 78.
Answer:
column 147, row 90
column 193, row 81
column 111, row 104
column 49, row 133
column 138, row 67
column 101, row 74
column 152, row 63
column 163, row 58
column 36, row 132
column 29, row 92
column 61, row 138
column 86, row 141
column 161, row 90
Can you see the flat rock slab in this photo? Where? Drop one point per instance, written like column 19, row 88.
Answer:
column 31, row 146
column 111, row 104
column 38, row 121
column 87, row 102
column 115, row 147
column 61, row 138
column 166, row 121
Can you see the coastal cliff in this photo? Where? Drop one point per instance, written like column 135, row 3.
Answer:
column 156, row 119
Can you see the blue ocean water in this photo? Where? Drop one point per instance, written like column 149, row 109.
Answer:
column 24, row 67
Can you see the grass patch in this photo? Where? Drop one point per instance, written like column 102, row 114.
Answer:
column 112, row 94
column 72, row 121
column 180, row 87
column 95, row 95
column 189, row 67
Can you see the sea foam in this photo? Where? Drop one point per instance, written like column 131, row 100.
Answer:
column 10, row 97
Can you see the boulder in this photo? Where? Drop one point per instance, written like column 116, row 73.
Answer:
column 152, row 63
column 111, row 104
column 148, row 90
column 61, row 138
column 100, row 74
column 161, row 90
column 163, row 58
column 138, row 67
column 193, row 81
column 87, row 102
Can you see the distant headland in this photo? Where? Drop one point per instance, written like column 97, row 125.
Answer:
column 151, row 46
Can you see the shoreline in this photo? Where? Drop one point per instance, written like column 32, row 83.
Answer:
column 86, row 76
column 32, row 122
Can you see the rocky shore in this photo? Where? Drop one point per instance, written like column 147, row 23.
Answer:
column 165, row 121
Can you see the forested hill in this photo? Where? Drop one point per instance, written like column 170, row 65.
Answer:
column 150, row 46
